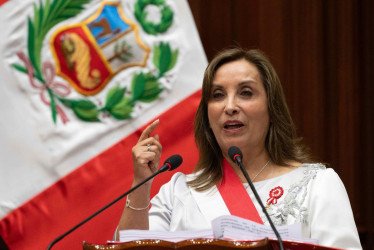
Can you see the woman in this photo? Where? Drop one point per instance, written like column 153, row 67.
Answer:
column 243, row 105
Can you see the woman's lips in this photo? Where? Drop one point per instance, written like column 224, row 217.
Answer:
column 232, row 125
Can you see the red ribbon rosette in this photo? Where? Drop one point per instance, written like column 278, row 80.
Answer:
column 275, row 194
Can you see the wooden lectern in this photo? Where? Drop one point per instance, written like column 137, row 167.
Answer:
column 196, row 244
column 185, row 245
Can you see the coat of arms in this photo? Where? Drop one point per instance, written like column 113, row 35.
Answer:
column 89, row 53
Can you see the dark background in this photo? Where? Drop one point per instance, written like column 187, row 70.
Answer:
column 323, row 53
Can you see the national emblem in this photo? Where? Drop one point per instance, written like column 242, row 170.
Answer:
column 87, row 54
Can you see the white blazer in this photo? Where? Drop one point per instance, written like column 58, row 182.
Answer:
column 313, row 196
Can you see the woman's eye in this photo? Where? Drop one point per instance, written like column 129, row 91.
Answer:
column 247, row 93
column 217, row 95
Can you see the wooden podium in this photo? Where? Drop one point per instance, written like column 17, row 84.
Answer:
column 185, row 245
column 264, row 244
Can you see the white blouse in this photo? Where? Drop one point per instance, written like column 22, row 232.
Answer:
column 312, row 195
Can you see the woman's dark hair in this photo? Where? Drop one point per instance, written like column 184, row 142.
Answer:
column 281, row 142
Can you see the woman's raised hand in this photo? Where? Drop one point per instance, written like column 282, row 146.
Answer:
column 146, row 153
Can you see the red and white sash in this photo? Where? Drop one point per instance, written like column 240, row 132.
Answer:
column 236, row 196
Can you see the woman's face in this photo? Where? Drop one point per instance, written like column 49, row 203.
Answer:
column 237, row 108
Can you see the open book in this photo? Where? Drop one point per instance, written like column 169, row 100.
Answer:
column 225, row 227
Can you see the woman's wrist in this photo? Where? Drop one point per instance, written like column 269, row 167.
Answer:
column 131, row 206
column 140, row 197
column 145, row 186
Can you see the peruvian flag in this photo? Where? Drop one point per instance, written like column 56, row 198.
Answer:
column 80, row 80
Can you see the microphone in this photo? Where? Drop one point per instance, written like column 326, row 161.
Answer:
column 170, row 164
column 236, row 155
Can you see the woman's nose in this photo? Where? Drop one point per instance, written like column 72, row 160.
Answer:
column 231, row 106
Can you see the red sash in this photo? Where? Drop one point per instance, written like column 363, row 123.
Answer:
column 236, row 196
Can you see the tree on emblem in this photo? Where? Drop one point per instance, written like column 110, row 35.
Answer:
column 123, row 51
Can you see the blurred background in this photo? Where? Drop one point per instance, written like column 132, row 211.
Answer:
column 323, row 53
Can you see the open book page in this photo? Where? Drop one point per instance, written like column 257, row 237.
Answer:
column 176, row 236
column 236, row 228
column 226, row 227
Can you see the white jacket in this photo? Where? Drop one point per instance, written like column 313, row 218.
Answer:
column 313, row 196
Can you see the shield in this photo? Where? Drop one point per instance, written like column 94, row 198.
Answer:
column 88, row 54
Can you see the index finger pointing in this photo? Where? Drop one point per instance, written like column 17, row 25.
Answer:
column 148, row 130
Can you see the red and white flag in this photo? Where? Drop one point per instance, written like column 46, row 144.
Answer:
column 80, row 80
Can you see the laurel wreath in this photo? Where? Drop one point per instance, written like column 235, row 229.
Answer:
column 119, row 103
column 148, row 26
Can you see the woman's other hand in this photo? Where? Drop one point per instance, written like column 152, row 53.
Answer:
column 146, row 153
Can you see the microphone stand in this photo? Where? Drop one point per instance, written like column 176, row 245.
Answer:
column 239, row 162
column 162, row 169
